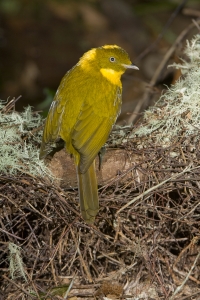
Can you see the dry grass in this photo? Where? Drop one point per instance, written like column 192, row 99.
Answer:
column 147, row 249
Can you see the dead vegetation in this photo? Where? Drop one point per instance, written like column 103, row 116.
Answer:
column 145, row 242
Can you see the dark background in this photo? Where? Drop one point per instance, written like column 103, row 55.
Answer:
column 41, row 40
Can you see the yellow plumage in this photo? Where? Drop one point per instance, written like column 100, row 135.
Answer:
column 83, row 112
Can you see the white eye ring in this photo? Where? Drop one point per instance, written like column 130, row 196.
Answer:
column 112, row 59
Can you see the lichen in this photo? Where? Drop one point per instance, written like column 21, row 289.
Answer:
column 178, row 109
column 20, row 138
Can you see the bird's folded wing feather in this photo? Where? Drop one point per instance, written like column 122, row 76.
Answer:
column 52, row 127
column 89, row 135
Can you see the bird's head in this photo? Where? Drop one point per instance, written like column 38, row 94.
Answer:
column 111, row 60
column 114, row 57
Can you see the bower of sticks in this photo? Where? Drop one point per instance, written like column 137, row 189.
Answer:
column 145, row 242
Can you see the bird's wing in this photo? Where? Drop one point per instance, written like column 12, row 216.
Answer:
column 90, row 134
column 52, row 127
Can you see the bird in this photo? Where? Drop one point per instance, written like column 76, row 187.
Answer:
column 82, row 114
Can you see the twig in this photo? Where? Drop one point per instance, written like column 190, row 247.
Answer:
column 153, row 188
column 85, row 267
column 168, row 23
column 18, row 286
column 179, row 288
column 162, row 65
column 10, row 105
column 69, row 289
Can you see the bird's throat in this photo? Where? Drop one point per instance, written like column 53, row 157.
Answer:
column 113, row 76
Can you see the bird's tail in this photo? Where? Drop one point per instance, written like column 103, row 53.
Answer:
column 88, row 194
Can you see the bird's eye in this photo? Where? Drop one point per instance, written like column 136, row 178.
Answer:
column 112, row 59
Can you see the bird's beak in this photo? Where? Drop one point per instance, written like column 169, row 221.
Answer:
column 132, row 66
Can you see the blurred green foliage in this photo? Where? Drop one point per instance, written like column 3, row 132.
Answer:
column 54, row 291
column 10, row 7
column 45, row 104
